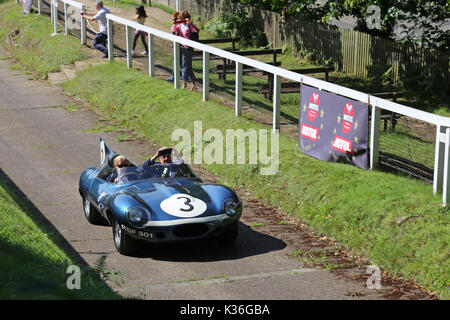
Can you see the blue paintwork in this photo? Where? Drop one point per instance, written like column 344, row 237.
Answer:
column 112, row 200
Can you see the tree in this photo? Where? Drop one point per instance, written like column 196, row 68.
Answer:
column 422, row 21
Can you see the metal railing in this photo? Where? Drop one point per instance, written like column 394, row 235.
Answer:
column 441, row 179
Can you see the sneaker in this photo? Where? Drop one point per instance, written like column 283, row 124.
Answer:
column 144, row 53
column 170, row 79
column 105, row 55
column 132, row 51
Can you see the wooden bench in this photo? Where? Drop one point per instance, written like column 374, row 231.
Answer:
column 198, row 54
column 290, row 87
column 388, row 115
column 224, row 69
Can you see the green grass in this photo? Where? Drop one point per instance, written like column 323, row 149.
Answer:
column 358, row 208
column 33, row 263
column 32, row 34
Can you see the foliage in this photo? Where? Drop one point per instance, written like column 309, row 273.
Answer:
column 237, row 23
column 422, row 20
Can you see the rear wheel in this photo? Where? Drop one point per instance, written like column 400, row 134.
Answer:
column 229, row 235
column 91, row 214
column 123, row 242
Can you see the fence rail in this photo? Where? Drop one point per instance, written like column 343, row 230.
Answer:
column 441, row 178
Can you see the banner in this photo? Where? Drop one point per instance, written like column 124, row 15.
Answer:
column 333, row 128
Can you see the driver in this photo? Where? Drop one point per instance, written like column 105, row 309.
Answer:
column 119, row 162
column 165, row 155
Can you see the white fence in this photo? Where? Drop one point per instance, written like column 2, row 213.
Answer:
column 441, row 179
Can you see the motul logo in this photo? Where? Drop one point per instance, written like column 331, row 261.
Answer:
column 309, row 132
column 342, row 145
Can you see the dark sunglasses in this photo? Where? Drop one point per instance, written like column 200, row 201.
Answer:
column 121, row 165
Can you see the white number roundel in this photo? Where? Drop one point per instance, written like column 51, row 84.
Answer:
column 183, row 206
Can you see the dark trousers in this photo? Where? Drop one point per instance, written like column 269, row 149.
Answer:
column 100, row 42
column 136, row 36
column 186, row 63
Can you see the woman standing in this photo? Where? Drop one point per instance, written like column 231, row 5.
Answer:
column 140, row 17
column 185, row 29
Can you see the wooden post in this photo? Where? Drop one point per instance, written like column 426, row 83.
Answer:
column 66, row 27
column 129, row 46
column 439, row 157
column 176, row 65
column 446, row 180
column 375, row 138
column 83, row 26
column 238, row 98
column 205, row 76
column 109, row 26
column 276, row 102
column 151, row 55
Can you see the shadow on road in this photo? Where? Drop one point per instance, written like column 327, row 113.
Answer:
column 248, row 243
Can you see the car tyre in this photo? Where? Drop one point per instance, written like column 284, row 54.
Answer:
column 92, row 215
column 123, row 242
column 229, row 235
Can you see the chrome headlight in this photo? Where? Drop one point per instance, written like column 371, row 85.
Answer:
column 231, row 206
column 138, row 216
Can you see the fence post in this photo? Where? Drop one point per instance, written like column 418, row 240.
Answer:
column 276, row 102
column 151, row 55
column 445, row 187
column 439, row 158
column 176, row 65
column 128, row 40
column 238, row 98
column 109, row 27
column 374, row 137
column 39, row 6
column 66, row 27
column 83, row 26
column 205, row 76
column 55, row 16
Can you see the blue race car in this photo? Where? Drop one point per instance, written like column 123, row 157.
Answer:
column 157, row 203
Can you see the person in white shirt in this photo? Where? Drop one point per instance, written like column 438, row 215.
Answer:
column 100, row 16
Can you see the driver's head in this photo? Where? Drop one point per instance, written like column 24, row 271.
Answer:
column 165, row 155
column 120, row 162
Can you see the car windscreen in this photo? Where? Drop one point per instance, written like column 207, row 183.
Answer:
column 169, row 170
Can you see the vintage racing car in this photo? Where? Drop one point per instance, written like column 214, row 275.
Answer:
column 157, row 203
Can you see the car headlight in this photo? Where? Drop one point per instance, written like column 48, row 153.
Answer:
column 231, row 206
column 138, row 216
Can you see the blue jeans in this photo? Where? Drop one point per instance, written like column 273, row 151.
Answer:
column 186, row 64
column 100, row 42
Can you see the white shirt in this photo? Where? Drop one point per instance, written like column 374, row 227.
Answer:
column 101, row 19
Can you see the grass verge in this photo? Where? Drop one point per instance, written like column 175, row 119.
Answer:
column 34, row 265
column 25, row 34
column 393, row 221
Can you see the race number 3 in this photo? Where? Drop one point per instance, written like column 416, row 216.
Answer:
column 183, row 206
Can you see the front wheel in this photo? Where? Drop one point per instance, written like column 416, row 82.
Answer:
column 123, row 242
column 229, row 235
column 91, row 214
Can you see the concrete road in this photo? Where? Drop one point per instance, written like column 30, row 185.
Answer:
column 44, row 149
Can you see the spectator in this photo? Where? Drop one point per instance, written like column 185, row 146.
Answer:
column 185, row 29
column 100, row 16
column 140, row 17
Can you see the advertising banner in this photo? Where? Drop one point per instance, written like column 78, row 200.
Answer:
column 333, row 128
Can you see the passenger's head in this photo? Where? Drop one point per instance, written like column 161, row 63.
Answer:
column 98, row 4
column 120, row 162
column 165, row 156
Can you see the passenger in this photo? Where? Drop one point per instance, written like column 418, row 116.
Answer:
column 165, row 155
column 185, row 28
column 119, row 162
column 140, row 17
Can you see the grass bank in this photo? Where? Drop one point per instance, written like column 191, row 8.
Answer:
column 25, row 34
column 393, row 221
column 33, row 263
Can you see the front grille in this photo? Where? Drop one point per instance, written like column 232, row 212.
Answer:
column 190, row 230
